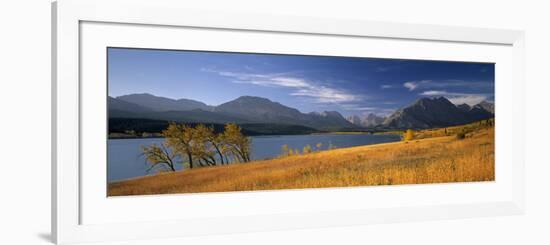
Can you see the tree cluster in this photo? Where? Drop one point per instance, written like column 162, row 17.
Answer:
column 198, row 146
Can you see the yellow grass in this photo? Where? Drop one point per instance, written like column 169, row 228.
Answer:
column 432, row 159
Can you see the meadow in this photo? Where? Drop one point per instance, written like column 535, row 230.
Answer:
column 454, row 154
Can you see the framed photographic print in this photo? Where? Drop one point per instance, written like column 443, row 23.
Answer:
column 235, row 122
column 293, row 121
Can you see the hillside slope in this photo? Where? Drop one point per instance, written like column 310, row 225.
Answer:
column 430, row 160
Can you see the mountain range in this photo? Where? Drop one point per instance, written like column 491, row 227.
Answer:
column 243, row 110
column 437, row 112
column 156, row 103
column 423, row 113
column 371, row 120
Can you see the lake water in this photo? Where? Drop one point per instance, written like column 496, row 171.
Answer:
column 125, row 159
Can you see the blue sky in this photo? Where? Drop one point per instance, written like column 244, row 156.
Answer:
column 351, row 86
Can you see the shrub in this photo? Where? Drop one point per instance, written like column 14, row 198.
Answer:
column 307, row 149
column 408, row 135
column 286, row 150
column 319, row 146
column 461, row 135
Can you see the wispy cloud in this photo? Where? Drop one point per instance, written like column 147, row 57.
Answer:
column 457, row 98
column 299, row 86
column 383, row 112
column 410, row 85
column 268, row 81
column 365, row 110
column 468, row 99
column 430, row 84
column 434, row 93
column 387, row 86
column 354, row 107
column 326, row 95
column 415, row 84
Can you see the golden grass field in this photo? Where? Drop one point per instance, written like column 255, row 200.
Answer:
column 434, row 156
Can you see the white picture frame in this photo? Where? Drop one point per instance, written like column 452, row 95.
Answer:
column 68, row 17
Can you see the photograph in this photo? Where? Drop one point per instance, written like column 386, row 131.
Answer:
column 202, row 121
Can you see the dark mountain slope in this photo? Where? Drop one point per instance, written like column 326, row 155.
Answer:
column 157, row 103
column 120, row 105
column 434, row 112
column 266, row 111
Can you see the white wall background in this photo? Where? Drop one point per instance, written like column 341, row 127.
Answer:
column 25, row 122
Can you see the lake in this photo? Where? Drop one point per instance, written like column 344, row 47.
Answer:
column 125, row 159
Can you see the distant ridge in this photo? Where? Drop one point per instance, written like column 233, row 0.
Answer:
column 121, row 105
column 488, row 106
column 464, row 107
column 260, row 109
column 371, row 120
column 157, row 103
column 423, row 113
column 245, row 109
column 435, row 112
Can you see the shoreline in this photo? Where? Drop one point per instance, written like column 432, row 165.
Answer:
column 442, row 159
column 427, row 144
column 265, row 159
column 262, row 160
column 435, row 159
column 267, row 135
